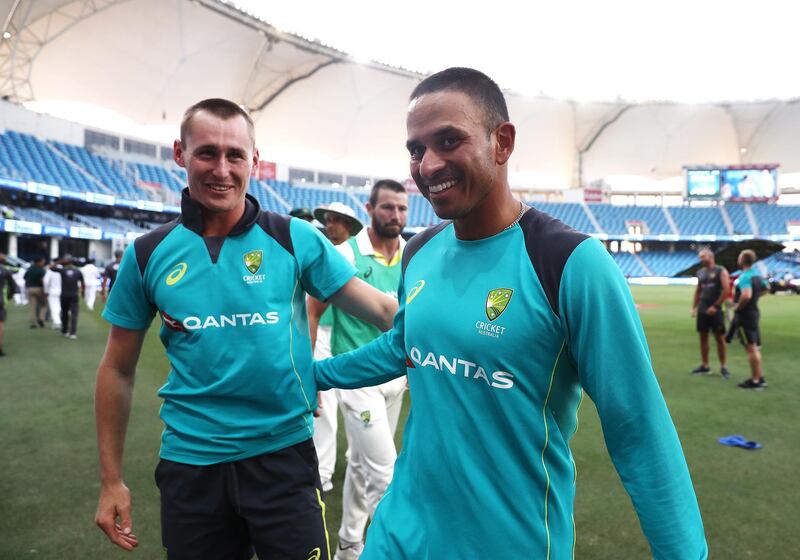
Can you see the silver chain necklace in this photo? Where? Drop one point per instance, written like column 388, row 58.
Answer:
column 522, row 208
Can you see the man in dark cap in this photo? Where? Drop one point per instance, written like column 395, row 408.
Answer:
column 302, row 213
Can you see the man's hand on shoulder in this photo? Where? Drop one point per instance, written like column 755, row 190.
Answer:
column 115, row 502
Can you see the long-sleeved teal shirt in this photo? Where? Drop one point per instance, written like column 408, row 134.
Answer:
column 498, row 337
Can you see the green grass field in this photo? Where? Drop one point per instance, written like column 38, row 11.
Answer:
column 750, row 499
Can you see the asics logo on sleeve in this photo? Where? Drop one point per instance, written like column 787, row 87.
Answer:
column 414, row 291
column 177, row 273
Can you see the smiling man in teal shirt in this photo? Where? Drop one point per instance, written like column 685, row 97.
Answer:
column 238, row 470
column 506, row 316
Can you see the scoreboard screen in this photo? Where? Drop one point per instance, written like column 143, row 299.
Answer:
column 754, row 183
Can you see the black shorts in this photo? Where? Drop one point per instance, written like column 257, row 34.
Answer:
column 748, row 330
column 2, row 312
column 270, row 504
column 714, row 323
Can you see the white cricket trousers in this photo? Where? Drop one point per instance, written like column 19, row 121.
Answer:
column 370, row 418
column 89, row 296
column 54, row 302
column 326, row 424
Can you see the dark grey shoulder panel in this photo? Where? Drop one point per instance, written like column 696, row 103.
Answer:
column 277, row 227
column 147, row 243
column 415, row 243
column 549, row 243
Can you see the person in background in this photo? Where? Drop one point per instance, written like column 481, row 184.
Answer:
column 713, row 284
column 749, row 287
column 370, row 414
column 91, row 281
column 340, row 223
column 7, row 281
column 34, row 286
column 52, row 290
column 302, row 213
column 72, row 287
column 110, row 274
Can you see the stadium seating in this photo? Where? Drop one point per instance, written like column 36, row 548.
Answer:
column 629, row 264
column 38, row 162
column 612, row 219
column 663, row 263
column 772, row 219
column 265, row 198
column 102, row 171
column 313, row 197
column 778, row 264
column 698, row 221
column 44, row 217
column 571, row 213
column 158, row 175
column 738, row 215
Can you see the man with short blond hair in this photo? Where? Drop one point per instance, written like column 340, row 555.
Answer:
column 238, row 469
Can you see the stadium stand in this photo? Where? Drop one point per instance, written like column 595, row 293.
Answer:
column 738, row 215
column 614, row 219
column 779, row 264
column 44, row 217
column 40, row 163
column 158, row 175
column 698, row 221
column 773, row 219
column 571, row 213
column 662, row 263
column 629, row 264
column 102, row 171
column 310, row 197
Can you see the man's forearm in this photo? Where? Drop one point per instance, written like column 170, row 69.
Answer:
column 380, row 361
column 112, row 402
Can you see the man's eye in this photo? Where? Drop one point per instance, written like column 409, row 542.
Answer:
column 450, row 143
column 416, row 152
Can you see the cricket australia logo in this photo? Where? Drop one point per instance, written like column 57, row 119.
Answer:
column 496, row 303
column 252, row 262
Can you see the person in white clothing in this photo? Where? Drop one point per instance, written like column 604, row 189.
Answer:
column 370, row 414
column 340, row 223
column 52, row 288
column 91, row 282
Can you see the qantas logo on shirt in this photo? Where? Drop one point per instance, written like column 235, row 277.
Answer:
column 194, row 323
column 459, row 367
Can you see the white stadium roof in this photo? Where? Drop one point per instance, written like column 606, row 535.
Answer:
column 318, row 106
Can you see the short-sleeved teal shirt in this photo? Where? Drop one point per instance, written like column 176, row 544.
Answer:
column 234, row 327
